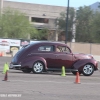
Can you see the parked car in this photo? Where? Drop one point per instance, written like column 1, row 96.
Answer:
column 46, row 55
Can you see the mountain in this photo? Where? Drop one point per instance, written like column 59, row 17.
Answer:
column 95, row 6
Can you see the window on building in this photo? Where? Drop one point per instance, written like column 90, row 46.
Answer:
column 39, row 20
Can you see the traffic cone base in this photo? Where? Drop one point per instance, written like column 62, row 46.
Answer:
column 63, row 75
column 1, row 54
column 77, row 81
column 6, row 76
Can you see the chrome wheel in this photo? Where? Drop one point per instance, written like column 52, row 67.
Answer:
column 88, row 70
column 38, row 67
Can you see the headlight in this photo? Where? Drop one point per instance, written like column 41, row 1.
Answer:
column 89, row 55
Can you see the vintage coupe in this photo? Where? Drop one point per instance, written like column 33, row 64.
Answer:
column 47, row 55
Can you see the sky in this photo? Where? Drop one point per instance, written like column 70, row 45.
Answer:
column 72, row 3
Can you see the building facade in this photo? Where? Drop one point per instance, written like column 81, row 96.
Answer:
column 41, row 16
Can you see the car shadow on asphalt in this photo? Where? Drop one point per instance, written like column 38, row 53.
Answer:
column 58, row 73
column 43, row 73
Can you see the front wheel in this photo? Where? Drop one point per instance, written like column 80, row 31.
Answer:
column 38, row 67
column 88, row 70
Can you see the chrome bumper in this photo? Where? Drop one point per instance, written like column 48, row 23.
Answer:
column 14, row 66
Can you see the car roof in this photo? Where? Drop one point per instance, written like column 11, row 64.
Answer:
column 49, row 42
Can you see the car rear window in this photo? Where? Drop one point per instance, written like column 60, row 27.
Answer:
column 46, row 48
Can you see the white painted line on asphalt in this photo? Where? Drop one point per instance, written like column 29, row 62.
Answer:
column 52, row 82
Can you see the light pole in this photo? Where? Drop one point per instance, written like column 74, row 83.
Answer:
column 67, row 13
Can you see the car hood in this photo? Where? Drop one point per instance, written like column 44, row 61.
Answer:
column 83, row 56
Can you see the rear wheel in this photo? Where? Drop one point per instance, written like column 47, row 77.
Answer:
column 88, row 70
column 38, row 67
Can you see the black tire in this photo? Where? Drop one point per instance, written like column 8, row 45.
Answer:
column 27, row 71
column 88, row 70
column 75, row 72
column 38, row 67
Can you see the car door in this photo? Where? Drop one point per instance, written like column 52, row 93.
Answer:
column 63, row 57
column 47, row 52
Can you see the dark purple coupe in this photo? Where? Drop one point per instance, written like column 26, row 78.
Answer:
column 46, row 55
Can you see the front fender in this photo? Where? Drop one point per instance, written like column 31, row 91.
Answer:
column 28, row 62
column 80, row 63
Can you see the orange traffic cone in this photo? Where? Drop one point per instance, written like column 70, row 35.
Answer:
column 77, row 81
column 0, row 54
column 6, row 76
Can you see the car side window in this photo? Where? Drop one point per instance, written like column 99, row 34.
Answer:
column 62, row 49
column 66, row 49
column 46, row 48
column 58, row 49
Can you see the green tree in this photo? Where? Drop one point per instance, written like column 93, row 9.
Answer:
column 87, row 24
column 39, row 34
column 62, row 22
column 33, row 33
column 83, row 24
column 14, row 24
column 95, row 27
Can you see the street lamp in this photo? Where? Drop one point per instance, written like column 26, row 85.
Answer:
column 67, row 13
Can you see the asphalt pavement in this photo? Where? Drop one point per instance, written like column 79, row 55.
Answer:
column 47, row 86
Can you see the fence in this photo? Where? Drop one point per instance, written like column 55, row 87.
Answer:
column 87, row 48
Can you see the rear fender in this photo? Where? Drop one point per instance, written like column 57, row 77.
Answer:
column 80, row 63
column 29, row 61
